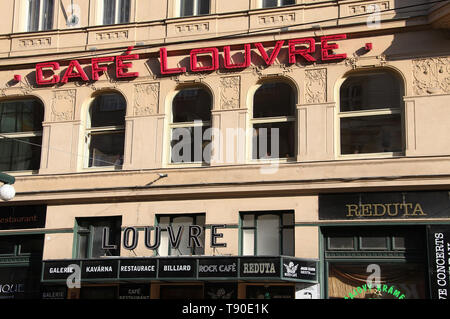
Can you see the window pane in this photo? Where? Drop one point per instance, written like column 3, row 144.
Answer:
column 268, row 235
column 109, row 10
column 270, row 3
column 7, row 245
column 287, row 2
column 108, row 110
column 186, row 8
column 288, row 242
column 248, row 242
column 114, row 237
column 274, row 99
column 371, row 134
column 20, row 154
column 21, row 116
column 83, row 241
column 203, row 6
column 341, row 243
column 267, row 145
column 189, row 144
column 31, row 244
column 374, row 243
column 106, row 149
column 124, row 11
column 288, row 219
column 47, row 19
column 370, row 91
column 176, row 223
column 248, row 220
column 33, row 15
column 163, row 249
column 190, row 105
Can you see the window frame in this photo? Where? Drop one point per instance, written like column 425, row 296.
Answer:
column 261, row 4
column 367, row 113
column 101, row 9
column 194, row 217
column 25, row 134
column 90, row 232
column 178, row 13
column 191, row 124
column 282, row 227
column 268, row 120
column 90, row 131
column 40, row 16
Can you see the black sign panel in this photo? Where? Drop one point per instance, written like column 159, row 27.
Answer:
column 138, row 268
column 134, row 291
column 218, row 267
column 259, row 267
column 22, row 217
column 177, row 268
column 59, row 269
column 384, row 205
column 439, row 260
column 94, row 269
column 298, row 269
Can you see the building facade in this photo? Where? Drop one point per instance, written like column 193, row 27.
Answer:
column 225, row 149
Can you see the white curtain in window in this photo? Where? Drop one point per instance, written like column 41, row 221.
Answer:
column 268, row 235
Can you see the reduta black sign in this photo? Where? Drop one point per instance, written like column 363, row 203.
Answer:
column 439, row 260
column 260, row 267
column 177, row 268
column 384, row 205
column 138, row 268
column 299, row 269
column 218, row 268
column 22, row 217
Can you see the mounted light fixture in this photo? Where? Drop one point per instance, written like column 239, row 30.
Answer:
column 7, row 191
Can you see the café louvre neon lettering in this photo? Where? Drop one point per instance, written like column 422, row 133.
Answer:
column 378, row 210
column 303, row 47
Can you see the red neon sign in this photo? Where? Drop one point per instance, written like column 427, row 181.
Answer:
column 298, row 49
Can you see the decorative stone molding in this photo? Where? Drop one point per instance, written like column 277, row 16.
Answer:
column 272, row 71
column 192, row 27
column 366, row 8
column 358, row 62
column 281, row 18
column 63, row 105
column 36, row 42
column 146, row 99
column 112, row 35
column 431, row 75
column 230, row 92
column 316, row 86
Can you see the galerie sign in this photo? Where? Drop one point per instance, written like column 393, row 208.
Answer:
column 384, row 205
column 303, row 49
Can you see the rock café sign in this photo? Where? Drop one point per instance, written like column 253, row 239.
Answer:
column 303, row 49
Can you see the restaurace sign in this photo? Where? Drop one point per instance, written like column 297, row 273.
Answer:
column 303, row 49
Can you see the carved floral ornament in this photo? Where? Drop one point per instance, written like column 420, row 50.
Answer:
column 316, row 86
column 431, row 76
column 229, row 92
column 146, row 98
column 63, row 105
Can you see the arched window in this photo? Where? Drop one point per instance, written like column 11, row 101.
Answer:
column 273, row 121
column 105, row 133
column 191, row 119
column 20, row 134
column 370, row 113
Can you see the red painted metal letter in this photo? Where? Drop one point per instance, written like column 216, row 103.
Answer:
column 215, row 59
column 164, row 68
column 70, row 74
column 273, row 56
column 227, row 58
column 326, row 56
column 96, row 69
column 303, row 52
column 39, row 74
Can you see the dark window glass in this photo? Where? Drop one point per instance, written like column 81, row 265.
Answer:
column 21, row 116
column 270, row 3
column 375, row 242
column 181, row 292
column 47, row 22
column 37, row 19
column 190, row 150
column 89, row 237
column 203, row 7
column 270, row 292
column 31, row 244
column 192, row 104
column 341, row 243
column 274, row 99
column 186, row 8
column 124, row 11
column 106, row 149
column 109, row 7
column 370, row 91
column 99, row 292
column 108, row 110
column 264, row 140
column 371, row 134
column 18, row 154
column 8, row 245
